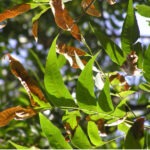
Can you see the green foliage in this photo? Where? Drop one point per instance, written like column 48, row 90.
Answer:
column 76, row 113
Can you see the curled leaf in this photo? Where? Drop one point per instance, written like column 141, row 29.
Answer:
column 17, row 112
column 69, row 53
column 89, row 8
column 130, row 65
column 63, row 19
column 29, row 84
column 13, row 12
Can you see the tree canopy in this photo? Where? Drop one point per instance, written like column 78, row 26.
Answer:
column 74, row 74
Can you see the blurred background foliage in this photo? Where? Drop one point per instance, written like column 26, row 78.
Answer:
column 17, row 39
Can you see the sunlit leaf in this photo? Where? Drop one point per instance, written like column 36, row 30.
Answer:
column 111, row 2
column 146, row 65
column 80, row 140
column 143, row 10
column 29, row 84
column 17, row 113
column 13, row 12
column 89, row 8
column 104, row 100
column 145, row 87
column 59, row 94
column 18, row 146
column 93, row 134
column 85, row 88
column 63, row 19
column 113, row 50
column 130, row 31
column 53, row 134
column 98, row 81
column 135, row 135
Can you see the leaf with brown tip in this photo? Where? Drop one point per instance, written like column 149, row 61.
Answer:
column 29, row 84
column 89, row 8
column 35, row 30
column 13, row 12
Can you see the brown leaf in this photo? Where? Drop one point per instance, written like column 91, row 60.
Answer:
column 69, row 53
column 13, row 12
column 63, row 19
column 35, row 30
column 70, row 50
column 29, row 84
column 17, row 112
column 119, row 81
column 111, row 2
column 89, row 8
column 130, row 65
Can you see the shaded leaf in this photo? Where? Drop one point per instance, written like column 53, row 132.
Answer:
column 29, row 84
column 63, row 19
column 146, row 65
column 80, row 140
column 89, row 8
column 135, row 135
column 17, row 113
column 3, row 24
column 93, row 134
column 130, row 31
column 13, row 12
column 85, row 88
column 53, row 134
column 143, row 10
column 113, row 50
column 59, row 94
column 104, row 100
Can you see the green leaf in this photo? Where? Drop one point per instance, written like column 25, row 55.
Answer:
column 46, row 1
column 104, row 100
column 18, row 146
column 61, row 61
column 130, row 31
column 71, row 118
column 143, row 10
column 58, row 93
column 124, row 127
column 113, row 50
column 93, row 134
column 53, row 134
column 85, row 88
column 38, row 15
column 145, row 87
column 146, row 64
column 80, row 139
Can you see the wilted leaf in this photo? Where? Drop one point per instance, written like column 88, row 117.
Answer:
column 35, row 30
column 111, row 2
column 29, row 84
column 63, row 19
column 118, row 82
column 130, row 31
column 53, row 81
column 18, row 113
column 135, row 135
column 69, row 53
column 89, row 8
column 13, row 12
column 53, row 134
